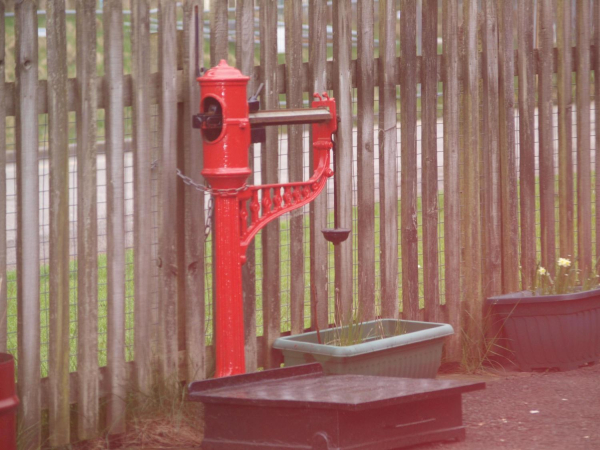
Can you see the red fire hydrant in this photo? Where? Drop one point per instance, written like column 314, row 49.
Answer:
column 240, row 210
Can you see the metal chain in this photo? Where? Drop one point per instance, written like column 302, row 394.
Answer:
column 202, row 188
column 208, row 222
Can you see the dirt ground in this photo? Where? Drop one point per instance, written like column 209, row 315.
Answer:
column 518, row 410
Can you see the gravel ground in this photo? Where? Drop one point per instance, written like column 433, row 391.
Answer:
column 517, row 410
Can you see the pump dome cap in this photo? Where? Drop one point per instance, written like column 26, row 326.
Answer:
column 223, row 72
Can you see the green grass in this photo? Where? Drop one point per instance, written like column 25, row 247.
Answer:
column 45, row 311
column 285, row 270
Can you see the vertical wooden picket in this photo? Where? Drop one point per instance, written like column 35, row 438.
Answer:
column 194, row 200
column 167, row 236
column 452, row 244
column 142, row 179
column 58, row 138
column 431, row 288
column 525, row 63
column 219, row 44
column 244, row 51
column 470, row 208
column 87, row 222
column 388, row 190
column 408, row 174
column 584, row 183
column 596, row 18
column 115, row 190
column 342, row 91
column 28, row 267
column 565, row 119
column 270, row 168
column 546, row 152
column 491, row 198
column 293, row 89
column 366, row 161
column 508, row 172
column 3, row 288
column 318, row 208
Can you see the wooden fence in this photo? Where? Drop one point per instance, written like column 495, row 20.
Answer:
column 460, row 167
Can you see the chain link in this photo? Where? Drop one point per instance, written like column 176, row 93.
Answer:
column 202, row 188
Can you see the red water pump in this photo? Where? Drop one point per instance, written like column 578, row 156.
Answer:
column 228, row 128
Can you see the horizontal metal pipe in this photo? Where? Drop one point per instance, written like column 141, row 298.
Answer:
column 289, row 116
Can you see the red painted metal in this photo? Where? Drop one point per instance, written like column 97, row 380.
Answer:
column 8, row 403
column 225, row 127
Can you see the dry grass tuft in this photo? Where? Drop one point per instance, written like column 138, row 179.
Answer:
column 162, row 419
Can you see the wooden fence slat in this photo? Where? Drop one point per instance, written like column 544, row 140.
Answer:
column 596, row 18
column 584, row 186
column 388, row 190
column 508, row 172
column 546, row 152
column 470, row 208
column 408, row 113
column 342, row 91
column 28, row 265
column 491, row 199
column 142, row 244
column 366, row 161
column 244, row 50
column 430, row 211
column 293, row 65
column 167, row 236
column 565, row 120
column 115, row 187
column 58, row 138
column 219, row 44
column 452, row 244
column 87, row 222
column 271, row 300
column 3, row 284
column 525, row 65
column 194, row 202
column 318, row 208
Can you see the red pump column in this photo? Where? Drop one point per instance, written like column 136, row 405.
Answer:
column 226, row 132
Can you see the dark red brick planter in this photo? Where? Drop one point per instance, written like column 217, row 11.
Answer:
column 551, row 331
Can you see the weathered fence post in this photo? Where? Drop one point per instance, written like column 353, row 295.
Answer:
column 293, row 89
column 365, row 72
column 58, row 138
column 342, row 91
column 3, row 285
column 167, row 188
column 430, row 209
column 388, row 189
column 408, row 171
column 270, row 174
column 565, row 125
column 526, row 72
column 244, row 56
column 87, row 222
column 508, row 169
column 318, row 208
column 584, row 182
column 471, row 207
column 115, row 187
column 546, row 146
column 194, row 200
column 28, row 263
column 452, row 234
